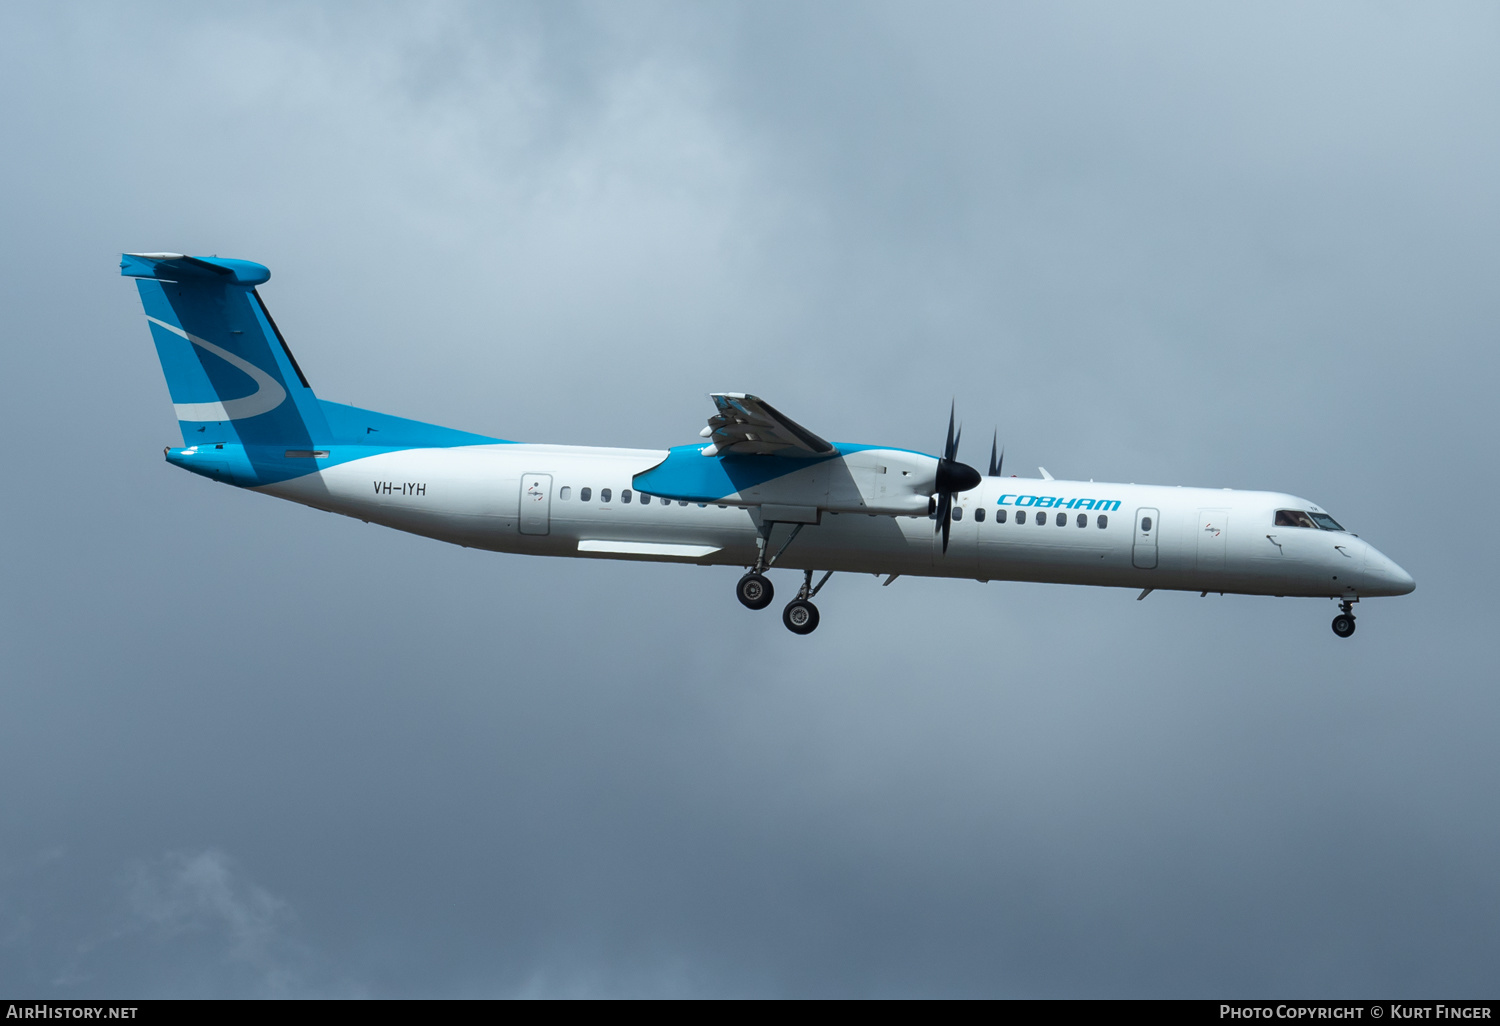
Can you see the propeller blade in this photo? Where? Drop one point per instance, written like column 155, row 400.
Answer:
column 994, row 467
column 952, row 476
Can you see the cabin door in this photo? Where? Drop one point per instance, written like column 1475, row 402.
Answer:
column 536, row 503
column 1147, row 527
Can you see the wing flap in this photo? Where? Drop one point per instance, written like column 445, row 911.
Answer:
column 747, row 424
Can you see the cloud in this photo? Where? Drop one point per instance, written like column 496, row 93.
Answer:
column 185, row 923
column 197, row 897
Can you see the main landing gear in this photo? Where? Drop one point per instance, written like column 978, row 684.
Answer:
column 800, row 616
column 1343, row 624
column 754, row 591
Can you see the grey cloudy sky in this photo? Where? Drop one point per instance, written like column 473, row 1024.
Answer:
column 251, row 749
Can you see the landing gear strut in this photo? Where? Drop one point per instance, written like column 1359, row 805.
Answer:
column 800, row 615
column 754, row 590
column 1343, row 624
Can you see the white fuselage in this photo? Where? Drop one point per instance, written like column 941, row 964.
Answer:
column 509, row 498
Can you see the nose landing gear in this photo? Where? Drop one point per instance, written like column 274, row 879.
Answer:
column 1343, row 624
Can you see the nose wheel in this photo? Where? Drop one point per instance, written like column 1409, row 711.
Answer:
column 1343, row 624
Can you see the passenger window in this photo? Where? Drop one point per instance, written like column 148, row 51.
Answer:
column 958, row 512
column 666, row 501
column 1145, row 524
column 682, row 502
column 584, row 493
column 1083, row 520
column 565, row 492
column 625, row 496
column 1102, row 520
column 604, row 495
column 1020, row 516
column 999, row 516
column 1062, row 520
column 979, row 515
column 1041, row 516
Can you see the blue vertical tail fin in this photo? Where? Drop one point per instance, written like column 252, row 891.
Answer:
column 230, row 374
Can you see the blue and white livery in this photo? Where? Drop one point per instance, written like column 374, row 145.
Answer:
column 758, row 491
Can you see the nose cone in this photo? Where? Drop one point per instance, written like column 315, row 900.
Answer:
column 1384, row 577
column 1404, row 581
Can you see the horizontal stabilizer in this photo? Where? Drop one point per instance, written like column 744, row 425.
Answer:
column 177, row 267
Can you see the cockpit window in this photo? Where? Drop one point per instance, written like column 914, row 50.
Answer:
column 1326, row 522
column 1293, row 518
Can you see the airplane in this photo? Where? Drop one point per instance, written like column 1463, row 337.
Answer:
column 757, row 491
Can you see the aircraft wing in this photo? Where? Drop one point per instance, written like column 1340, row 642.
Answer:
column 747, row 424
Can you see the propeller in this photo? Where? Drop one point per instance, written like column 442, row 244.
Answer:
column 952, row 477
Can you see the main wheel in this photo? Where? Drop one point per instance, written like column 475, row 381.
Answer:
column 754, row 591
column 1343, row 625
column 800, row 616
